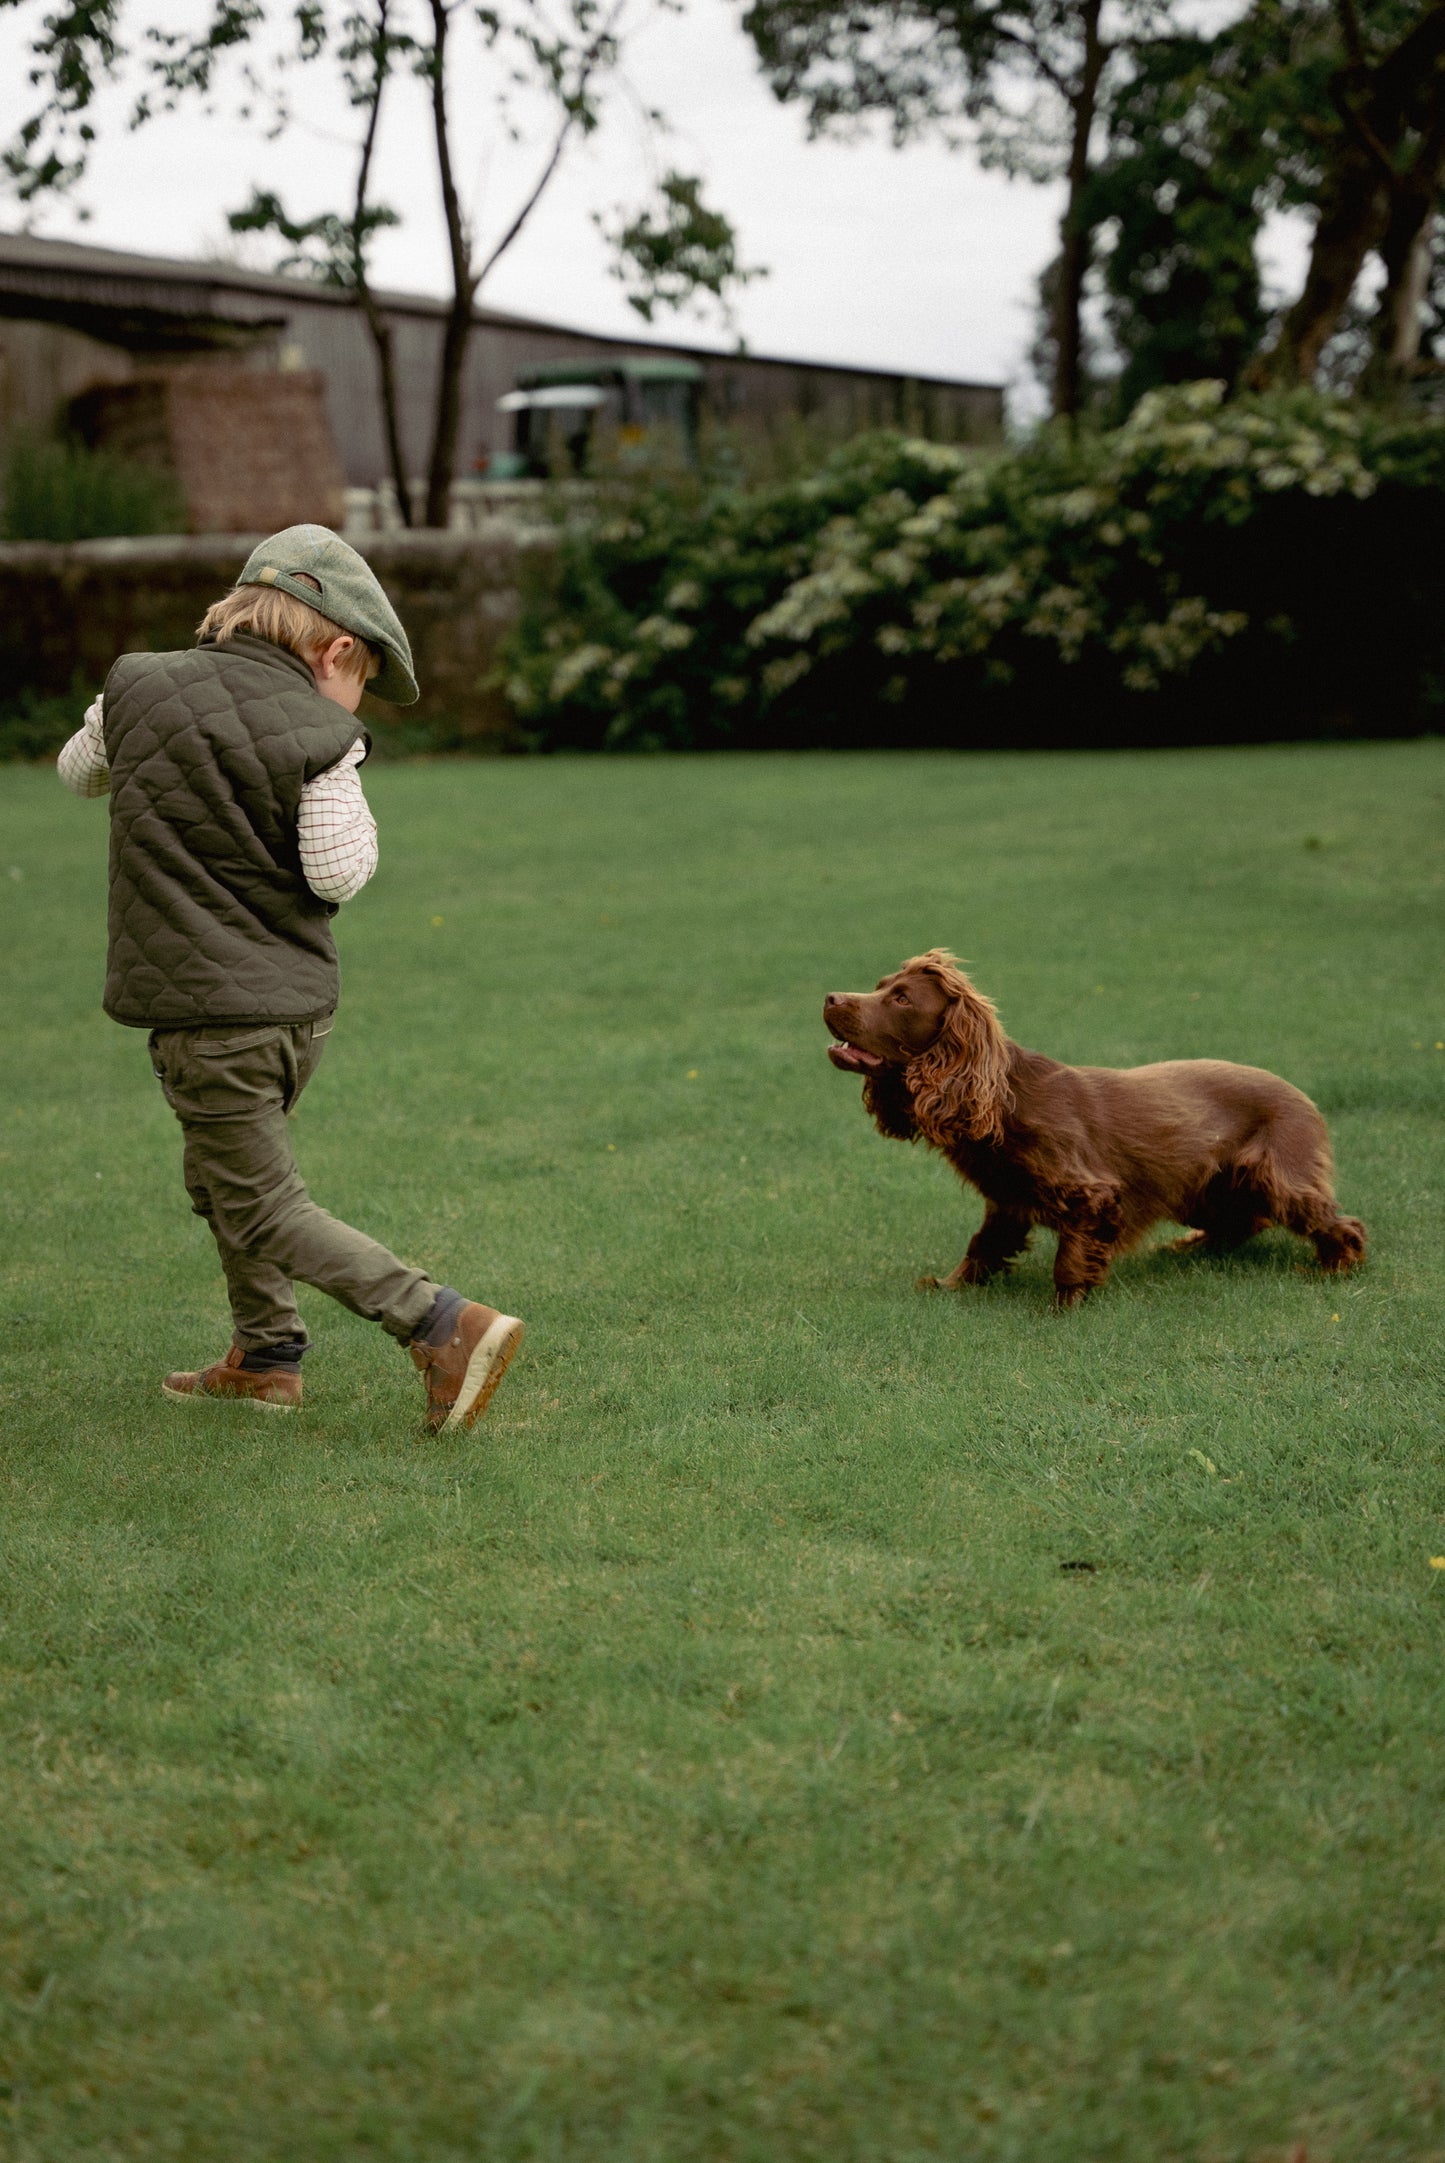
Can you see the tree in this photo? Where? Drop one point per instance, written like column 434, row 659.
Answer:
column 1369, row 120
column 1331, row 107
column 565, row 63
column 335, row 249
column 556, row 53
column 1178, row 201
column 1028, row 81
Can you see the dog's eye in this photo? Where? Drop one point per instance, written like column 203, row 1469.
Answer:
column 900, row 998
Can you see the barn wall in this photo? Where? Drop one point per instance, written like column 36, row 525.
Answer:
column 740, row 390
column 44, row 365
column 128, row 315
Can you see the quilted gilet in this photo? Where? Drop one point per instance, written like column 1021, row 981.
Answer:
column 211, row 920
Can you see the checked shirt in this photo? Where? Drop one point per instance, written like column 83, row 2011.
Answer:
column 335, row 830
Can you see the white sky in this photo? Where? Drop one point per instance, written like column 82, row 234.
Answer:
column 913, row 259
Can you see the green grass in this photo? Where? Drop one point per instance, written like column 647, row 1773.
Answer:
column 713, row 1756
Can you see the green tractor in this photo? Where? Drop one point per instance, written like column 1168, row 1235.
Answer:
column 570, row 417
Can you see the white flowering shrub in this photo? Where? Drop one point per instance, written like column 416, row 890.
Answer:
column 914, row 591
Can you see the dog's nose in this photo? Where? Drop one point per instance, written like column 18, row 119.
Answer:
column 834, row 998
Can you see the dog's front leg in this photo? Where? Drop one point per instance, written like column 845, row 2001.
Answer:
column 1002, row 1235
column 1089, row 1219
column 1080, row 1266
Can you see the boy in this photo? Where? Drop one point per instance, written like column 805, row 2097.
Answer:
column 237, row 825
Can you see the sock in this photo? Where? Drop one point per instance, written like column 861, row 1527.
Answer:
column 262, row 1358
column 442, row 1320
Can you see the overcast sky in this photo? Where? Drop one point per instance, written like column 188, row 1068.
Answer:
column 914, row 259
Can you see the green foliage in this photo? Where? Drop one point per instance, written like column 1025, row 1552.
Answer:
column 35, row 725
column 673, row 253
column 1004, row 73
column 709, row 1757
column 62, row 492
column 329, row 248
column 911, row 591
column 1179, row 199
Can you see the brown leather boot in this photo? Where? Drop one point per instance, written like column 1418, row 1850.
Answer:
column 462, row 1374
column 278, row 1389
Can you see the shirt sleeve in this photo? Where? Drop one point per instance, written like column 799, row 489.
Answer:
column 83, row 765
column 335, row 830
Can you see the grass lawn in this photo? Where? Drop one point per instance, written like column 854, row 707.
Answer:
column 718, row 1754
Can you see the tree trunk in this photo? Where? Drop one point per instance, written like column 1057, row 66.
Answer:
column 1406, row 251
column 1075, row 236
column 443, row 465
column 381, row 338
column 458, row 331
column 376, row 323
column 1395, row 330
column 1352, row 221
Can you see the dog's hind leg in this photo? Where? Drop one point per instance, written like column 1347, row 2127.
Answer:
column 1339, row 1242
column 1229, row 1211
column 1289, row 1164
column 1001, row 1236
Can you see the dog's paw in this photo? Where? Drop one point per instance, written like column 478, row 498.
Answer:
column 1343, row 1246
column 928, row 1284
column 1069, row 1295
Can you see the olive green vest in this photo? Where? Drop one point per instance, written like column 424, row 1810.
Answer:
column 210, row 918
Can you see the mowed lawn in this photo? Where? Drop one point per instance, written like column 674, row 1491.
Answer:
column 808, row 1718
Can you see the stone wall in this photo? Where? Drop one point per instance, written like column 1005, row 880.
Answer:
column 66, row 612
column 248, row 449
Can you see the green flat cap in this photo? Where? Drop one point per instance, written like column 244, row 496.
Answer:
column 305, row 558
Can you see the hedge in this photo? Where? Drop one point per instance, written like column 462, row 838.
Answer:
column 1211, row 571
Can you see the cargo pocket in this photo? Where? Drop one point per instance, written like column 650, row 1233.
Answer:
column 160, row 1044
column 208, row 1046
column 310, row 1042
column 232, row 1073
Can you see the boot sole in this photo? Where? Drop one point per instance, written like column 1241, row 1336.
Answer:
column 210, row 1396
column 490, row 1360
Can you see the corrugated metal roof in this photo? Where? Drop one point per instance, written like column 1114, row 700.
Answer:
column 73, row 269
column 161, row 303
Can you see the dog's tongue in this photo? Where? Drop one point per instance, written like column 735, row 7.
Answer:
column 850, row 1060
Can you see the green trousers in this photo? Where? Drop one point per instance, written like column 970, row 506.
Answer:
column 231, row 1090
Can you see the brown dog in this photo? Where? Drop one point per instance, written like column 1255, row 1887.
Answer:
column 1097, row 1154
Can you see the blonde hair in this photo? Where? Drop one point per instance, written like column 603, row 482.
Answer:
column 268, row 613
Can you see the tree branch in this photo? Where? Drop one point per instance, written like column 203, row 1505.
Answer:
column 586, row 69
column 458, row 239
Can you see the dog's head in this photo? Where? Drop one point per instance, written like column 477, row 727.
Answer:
column 927, row 1021
column 895, row 1024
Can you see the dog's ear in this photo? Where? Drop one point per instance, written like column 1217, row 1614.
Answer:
column 961, row 1083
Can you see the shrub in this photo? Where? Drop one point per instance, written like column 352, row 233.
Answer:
column 62, row 492
column 1209, row 569
column 34, row 726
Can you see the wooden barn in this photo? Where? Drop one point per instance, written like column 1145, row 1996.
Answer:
column 149, row 354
